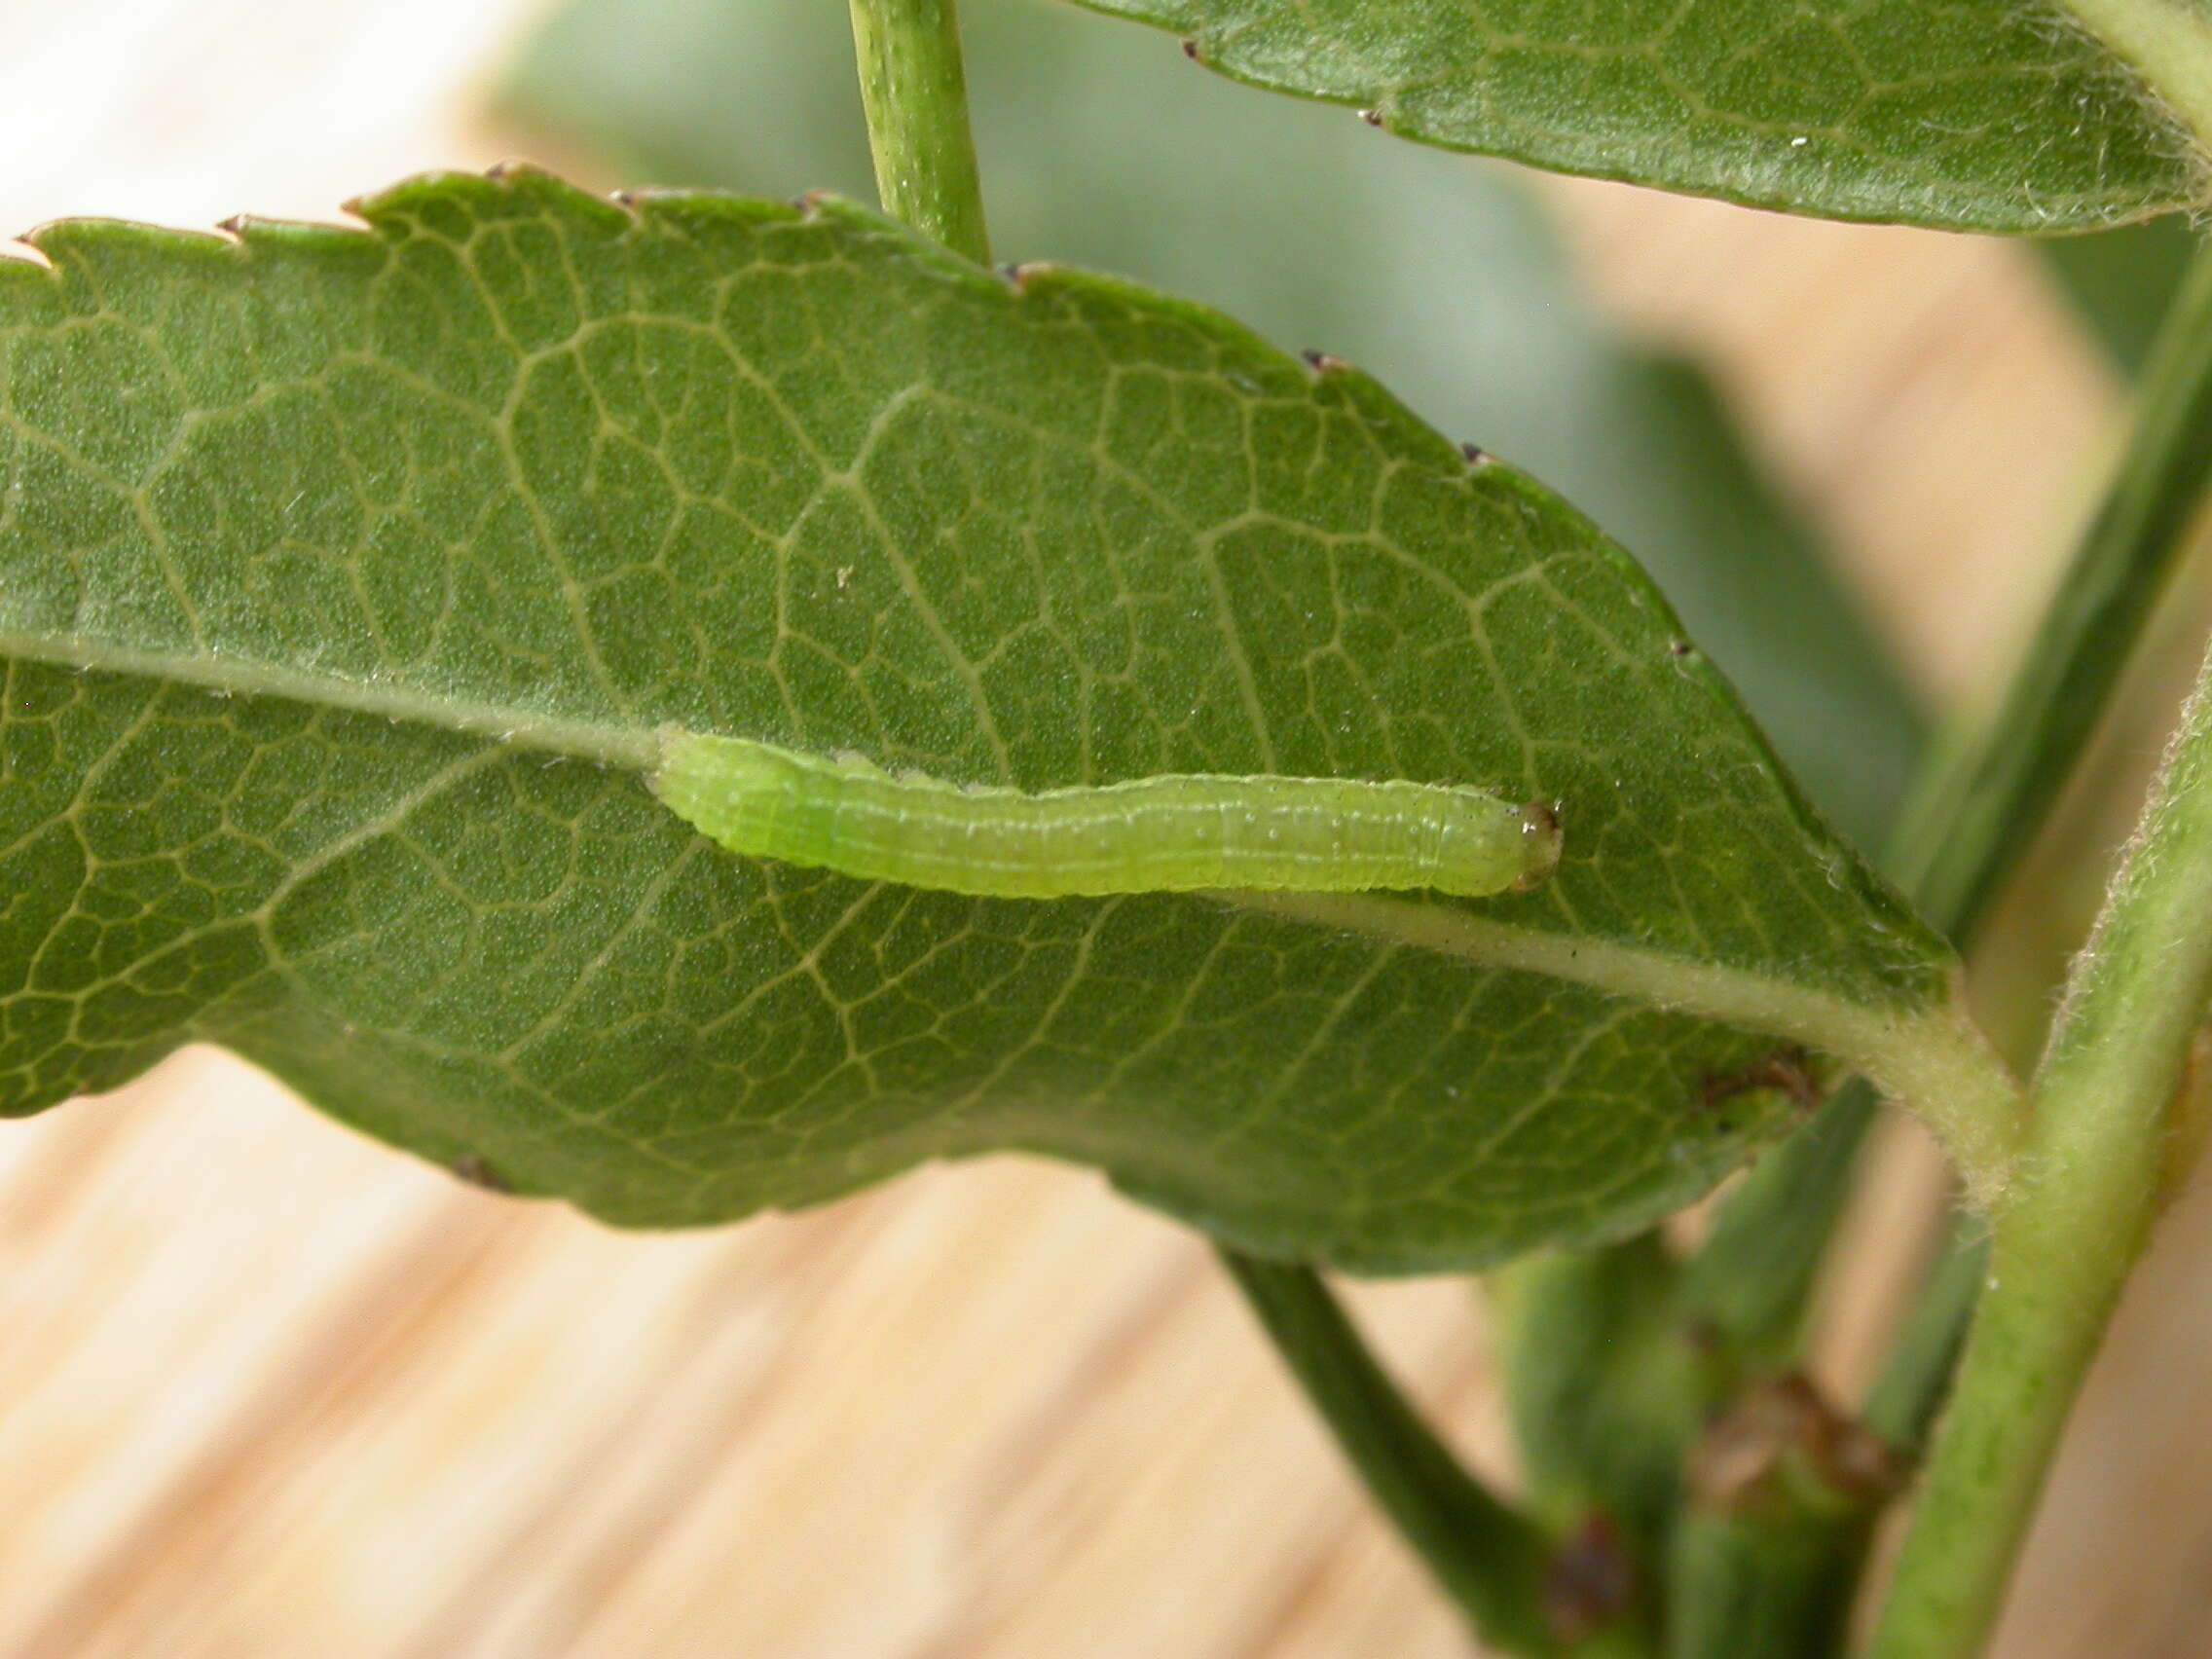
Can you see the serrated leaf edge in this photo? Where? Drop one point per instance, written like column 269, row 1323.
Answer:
column 1924, row 1051
column 2177, row 100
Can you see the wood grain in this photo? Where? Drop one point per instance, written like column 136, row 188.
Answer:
column 273, row 1391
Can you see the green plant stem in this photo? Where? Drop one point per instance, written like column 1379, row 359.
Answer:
column 915, row 92
column 1775, row 1486
column 1981, row 804
column 1974, row 815
column 1602, row 1383
column 2075, row 1218
column 1756, row 1586
column 1490, row 1559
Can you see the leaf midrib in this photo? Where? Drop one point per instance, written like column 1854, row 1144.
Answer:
column 630, row 748
column 1927, row 1056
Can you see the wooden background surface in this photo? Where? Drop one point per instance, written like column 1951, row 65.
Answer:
column 272, row 1391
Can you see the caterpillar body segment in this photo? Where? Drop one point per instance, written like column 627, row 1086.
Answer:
column 1172, row 833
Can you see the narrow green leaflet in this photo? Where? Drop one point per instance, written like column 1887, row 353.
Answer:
column 349, row 581
column 2120, row 283
column 1995, row 114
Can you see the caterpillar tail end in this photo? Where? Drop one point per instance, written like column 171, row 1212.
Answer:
column 1544, row 841
column 675, row 742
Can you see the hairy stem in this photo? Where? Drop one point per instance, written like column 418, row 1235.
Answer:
column 915, row 92
column 1489, row 1558
column 2075, row 1217
column 1981, row 804
column 1974, row 813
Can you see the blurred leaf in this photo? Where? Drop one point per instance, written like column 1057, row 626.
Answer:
column 1437, row 274
column 2121, row 282
column 1993, row 115
column 349, row 580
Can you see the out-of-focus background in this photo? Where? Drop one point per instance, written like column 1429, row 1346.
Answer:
column 267, row 1389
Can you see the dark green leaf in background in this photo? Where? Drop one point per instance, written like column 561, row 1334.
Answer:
column 2121, row 282
column 345, row 579
column 1999, row 115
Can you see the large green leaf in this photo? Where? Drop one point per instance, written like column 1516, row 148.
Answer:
column 1435, row 273
column 347, row 579
column 2003, row 115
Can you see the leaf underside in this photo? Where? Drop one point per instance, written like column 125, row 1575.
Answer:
column 1437, row 274
column 1989, row 115
column 329, row 557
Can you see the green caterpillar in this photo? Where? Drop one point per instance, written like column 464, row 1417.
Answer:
column 1175, row 833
